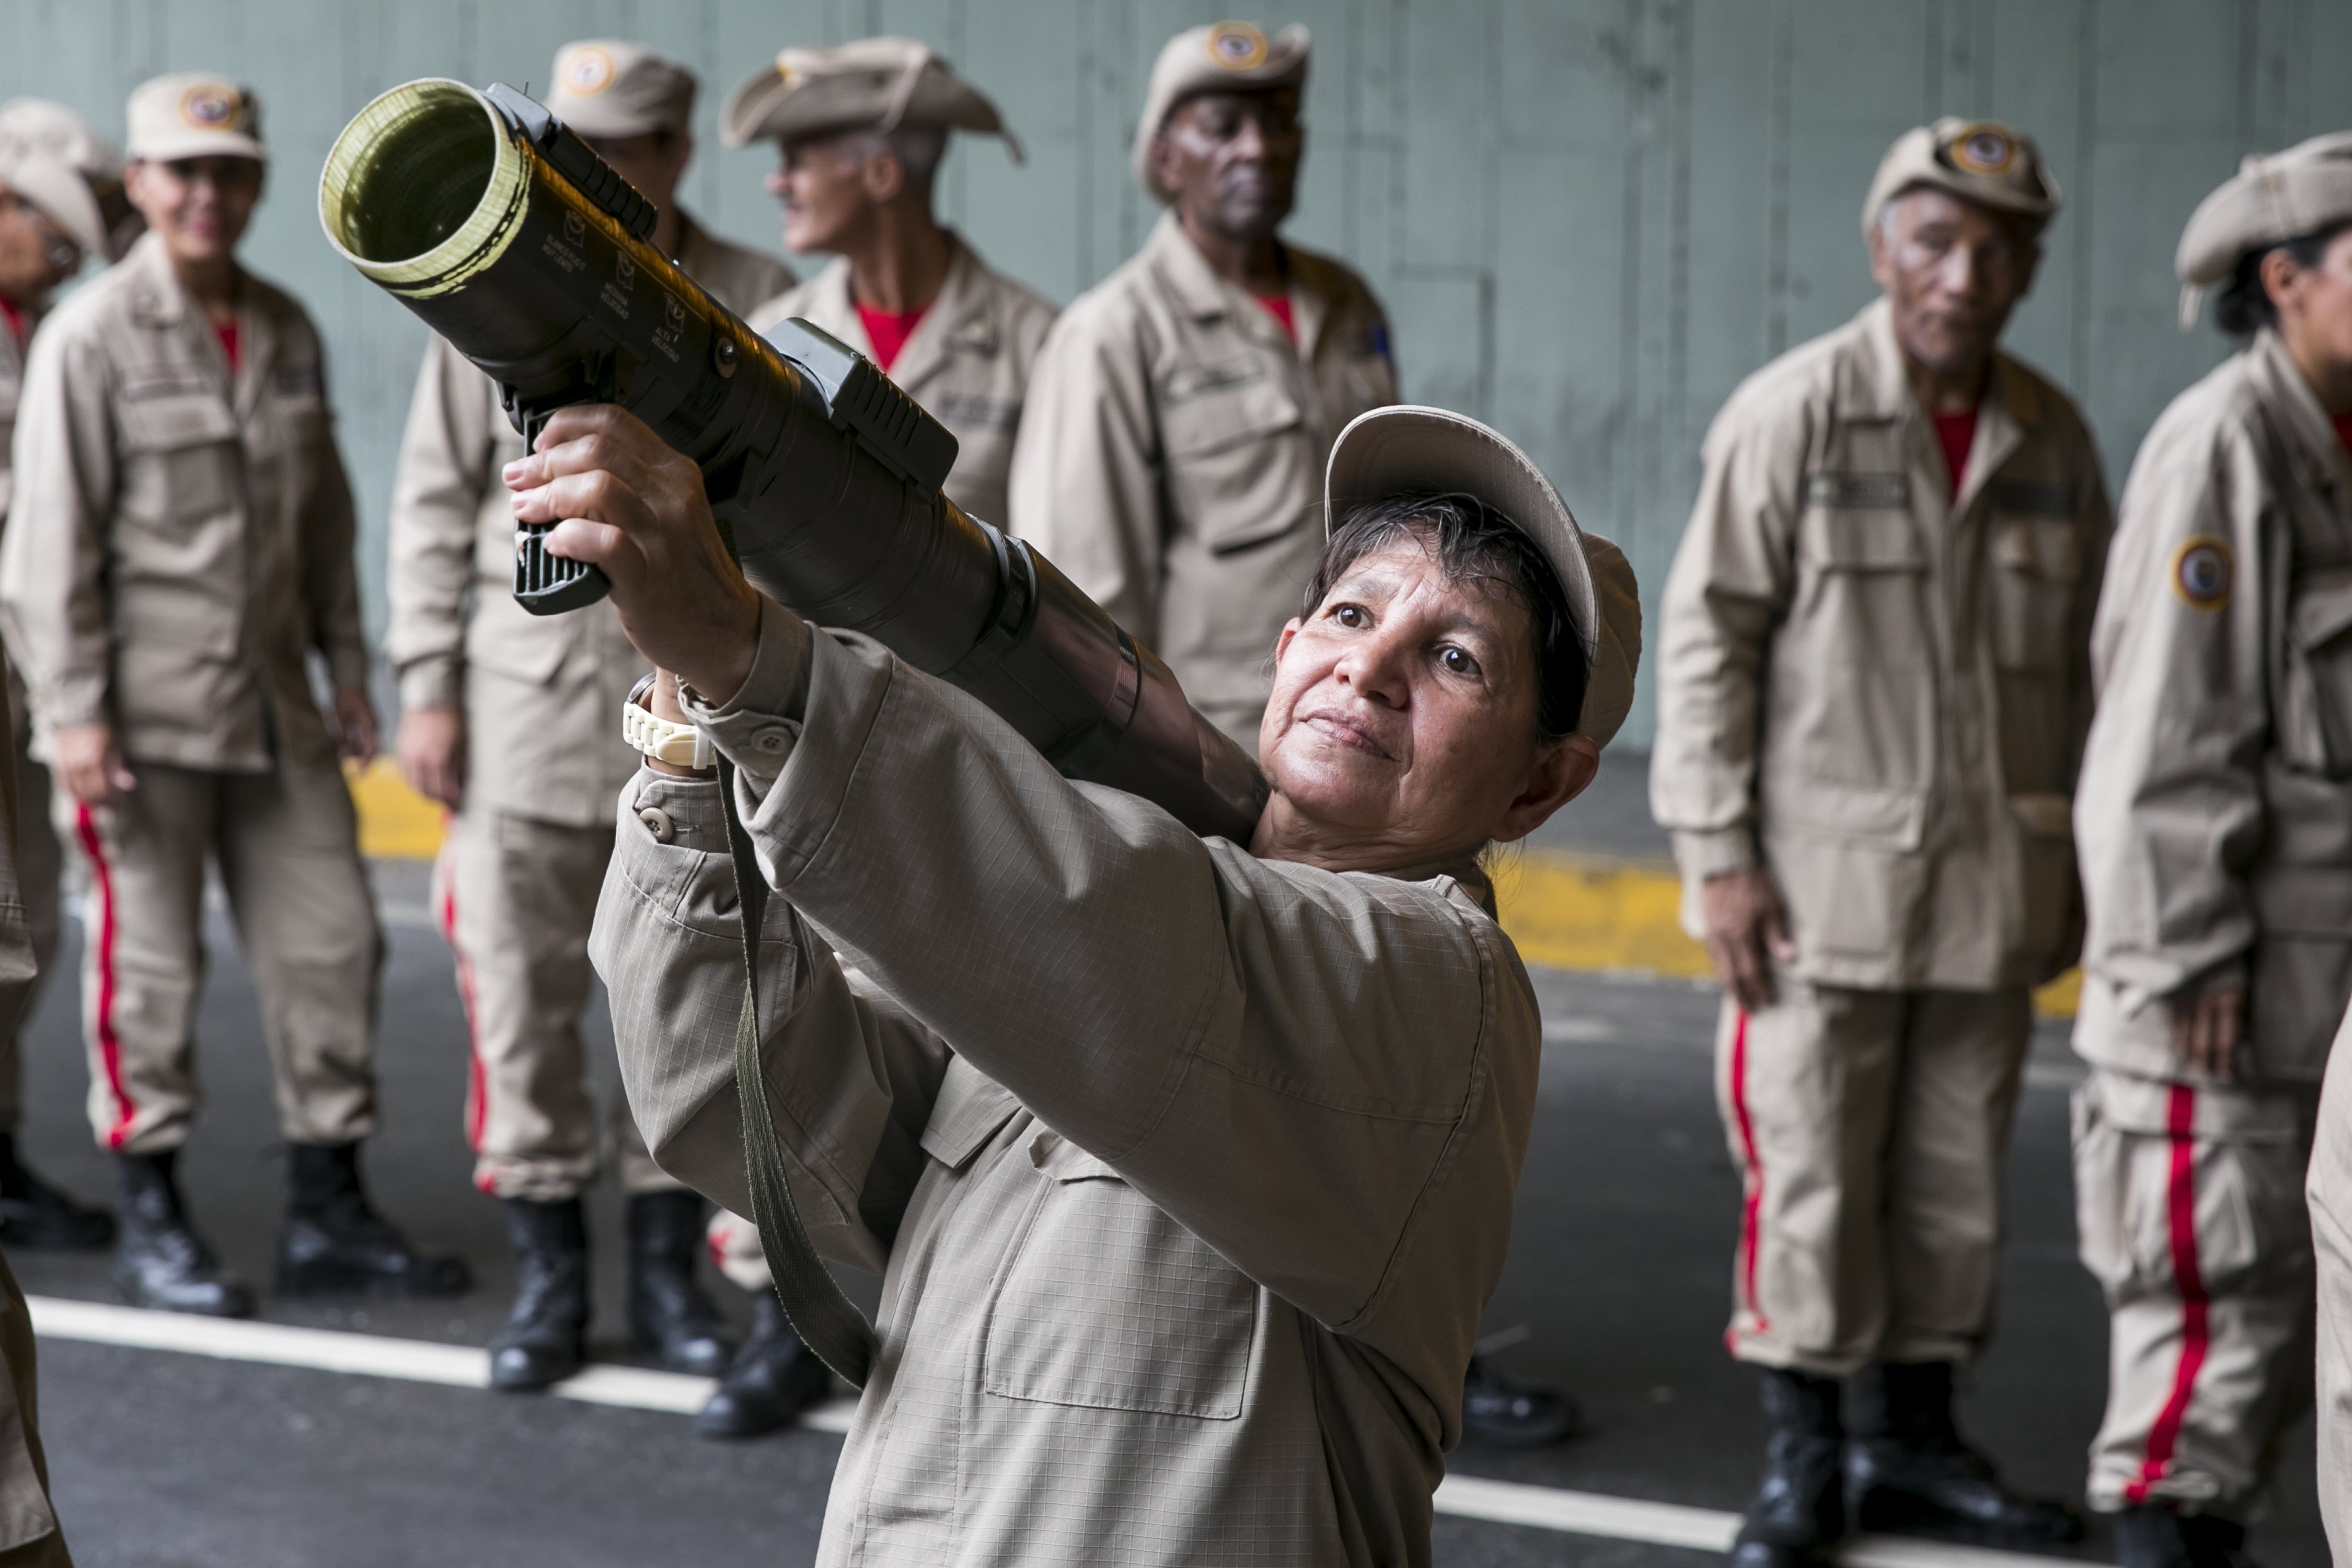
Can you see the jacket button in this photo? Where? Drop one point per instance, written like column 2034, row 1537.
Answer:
column 771, row 740
column 658, row 824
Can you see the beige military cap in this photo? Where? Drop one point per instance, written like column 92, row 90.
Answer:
column 2271, row 198
column 609, row 87
column 1406, row 449
column 54, row 188
column 194, row 114
column 874, row 84
column 64, row 135
column 1224, row 57
column 1980, row 161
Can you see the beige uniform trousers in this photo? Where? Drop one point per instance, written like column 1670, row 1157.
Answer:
column 287, row 846
column 1869, row 1127
column 515, row 897
column 2330, row 1192
column 2189, row 1204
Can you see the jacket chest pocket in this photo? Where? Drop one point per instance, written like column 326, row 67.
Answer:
column 182, row 456
column 2314, row 716
column 2030, row 593
column 1864, row 570
column 1107, row 1303
column 1238, row 465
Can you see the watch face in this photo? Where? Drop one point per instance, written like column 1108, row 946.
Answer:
column 643, row 690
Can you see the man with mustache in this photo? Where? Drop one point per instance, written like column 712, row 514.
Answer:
column 1873, row 687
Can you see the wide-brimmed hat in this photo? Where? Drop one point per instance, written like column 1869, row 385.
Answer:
column 56, row 189
column 1979, row 161
column 1224, row 57
column 194, row 114
column 2272, row 197
column 1410, row 450
column 873, row 84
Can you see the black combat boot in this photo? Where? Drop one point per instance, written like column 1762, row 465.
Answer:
column 159, row 1261
column 2153, row 1536
column 335, row 1243
column 670, row 1314
column 35, row 1216
column 770, row 1381
column 1496, row 1410
column 1908, row 1472
column 546, row 1335
column 1799, row 1512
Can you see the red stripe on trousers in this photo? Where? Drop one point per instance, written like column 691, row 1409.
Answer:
column 109, row 1044
column 477, row 1082
column 2196, row 1332
column 1752, row 1206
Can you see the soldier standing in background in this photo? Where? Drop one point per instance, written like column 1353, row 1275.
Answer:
column 66, row 137
column 49, row 220
column 1874, row 684
column 860, row 131
column 512, row 722
column 2216, row 833
column 1171, row 459
column 179, row 545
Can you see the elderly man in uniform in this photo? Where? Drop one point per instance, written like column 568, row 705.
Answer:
column 1182, row 408
column 506, row 718
column 860, row 131
column 1874, row 683
column 2216, row 834
column 179, row 545
column 49, row 220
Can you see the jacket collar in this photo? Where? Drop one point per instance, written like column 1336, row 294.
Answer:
column 2302, row 425
column 1876, row 383
column 1201, row 293
column 957, row 321
column 159, row 303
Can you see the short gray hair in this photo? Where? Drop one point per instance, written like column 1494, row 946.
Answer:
column 917, row 148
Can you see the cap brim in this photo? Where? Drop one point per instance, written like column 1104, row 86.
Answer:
column 1408, row 450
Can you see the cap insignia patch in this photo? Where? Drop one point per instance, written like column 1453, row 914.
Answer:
column 1982, row 149
column 208, row 106
column 2201, row 573
column 1237, row 45
column 587, row 72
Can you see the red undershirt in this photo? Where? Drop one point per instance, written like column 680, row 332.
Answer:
column 888, row 331
column 226, row 332
column 1278, row 307
column 1957, row 432
column 16, row 316
column 2344, row 429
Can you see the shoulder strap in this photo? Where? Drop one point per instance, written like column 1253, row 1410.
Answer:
column 823, row 1318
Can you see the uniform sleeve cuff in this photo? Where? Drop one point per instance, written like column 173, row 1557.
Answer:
column 757, row 728
column 432, row 683
column 1714, row 851
column 681, row 812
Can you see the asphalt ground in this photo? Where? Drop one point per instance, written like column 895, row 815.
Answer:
column 1619, row 1274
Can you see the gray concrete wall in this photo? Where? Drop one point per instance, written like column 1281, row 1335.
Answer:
column 1588, row 218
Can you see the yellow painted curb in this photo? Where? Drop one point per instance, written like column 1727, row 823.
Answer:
column 1573, row 911
column 395, row 822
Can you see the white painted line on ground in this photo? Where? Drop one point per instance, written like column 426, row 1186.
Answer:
column 638, row 1388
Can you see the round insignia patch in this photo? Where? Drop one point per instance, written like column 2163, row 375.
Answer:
column 587, row 71
column 1983, row 149
column 2202, row 571
column 1237, row 45
column 208, row 106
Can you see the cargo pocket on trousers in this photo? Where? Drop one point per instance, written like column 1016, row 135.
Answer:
column 2315, row 706
column 2133, row 1188
column 1108, row 1304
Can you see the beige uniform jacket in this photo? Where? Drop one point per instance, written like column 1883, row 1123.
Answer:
column 544, row 692
column 966, row 361
column 11, row 382
column 1171, row 460
column 180, row 539
column 2216, row 826
column 1190, row 1173
column 1876, row 693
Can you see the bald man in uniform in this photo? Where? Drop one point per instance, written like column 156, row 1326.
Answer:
column 510, row 720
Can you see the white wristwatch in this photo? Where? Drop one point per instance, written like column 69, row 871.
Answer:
column 679, row 745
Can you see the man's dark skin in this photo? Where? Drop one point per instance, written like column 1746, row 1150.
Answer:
column 1952, row 273
column 1232, row 160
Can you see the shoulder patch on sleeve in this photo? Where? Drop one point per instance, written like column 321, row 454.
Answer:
column 2203, row 572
